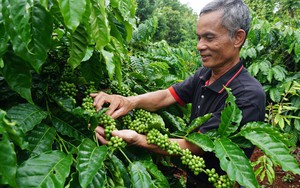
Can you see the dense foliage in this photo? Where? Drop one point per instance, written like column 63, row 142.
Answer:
column 176, row 23
column 54, row 53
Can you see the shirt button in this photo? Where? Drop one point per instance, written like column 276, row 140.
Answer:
column 202, row 96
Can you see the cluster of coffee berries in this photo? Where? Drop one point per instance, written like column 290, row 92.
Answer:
column 218, row 181
column 87, row 105
column 109, row 125
column 140, row 121
column 68, row 89
column 122, row 89
column 90, row 88
column 68, row 73
column 126, row 120
column 87, row 101
column 116, row 142
column 194, row 162
column 155, row 137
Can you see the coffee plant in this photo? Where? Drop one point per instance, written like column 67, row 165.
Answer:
column 54, row 53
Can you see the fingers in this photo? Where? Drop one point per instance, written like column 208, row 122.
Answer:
column 101, row 134
column 117, row 113
column 129, row 136
column 101, row 139
column 118, row 104
column 113, row 107
column 99, row 99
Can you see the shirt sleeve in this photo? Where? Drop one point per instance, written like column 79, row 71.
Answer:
column 183, row 91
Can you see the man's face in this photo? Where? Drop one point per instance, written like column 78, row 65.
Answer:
column 214, row 44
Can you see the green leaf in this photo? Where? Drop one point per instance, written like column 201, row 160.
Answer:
column 231, row 116
column 110, row 66
column 140, row 178
column 272, row 143
column 99, row 179
column 99, row 24
column 45, row 4
column 279, row 73
column 127, row 9
column 41, row 33
column 17, row 75
column 262, row 176
column 16, row 20
column 72, row 12
column 118, row 67
column 170, row 119
column 114, row 173
column 66, row 128
column 121, row 167
column 46, row 170
column 93, row 69
column 275, row 94
column 13, row 130
column 41, row 139
column 3, row 40
column 254, row 68
column 55, row 11
column 29, row 27
column 115, row 29
column 258, row 170
column 197, row 122
column 156, row 122
column 1, row 63
column 235, row 162
column 27, row 116
column 8, row 161
column 270, row 75
column 73, row 182
column 88, row 54
column 160, row 179
column 119, row 55
column 264, row 66
column 78, row 48
column 67, row 103
column 89, row 160
column 86, row 22
column 201, row 140
column 297, row 50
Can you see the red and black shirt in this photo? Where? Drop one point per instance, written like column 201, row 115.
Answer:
column 205, row 98
column 250, row 96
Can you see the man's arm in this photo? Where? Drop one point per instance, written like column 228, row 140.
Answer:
column 120, row 105
column 140, row 140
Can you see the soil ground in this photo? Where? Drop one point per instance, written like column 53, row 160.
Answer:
column 282, row 179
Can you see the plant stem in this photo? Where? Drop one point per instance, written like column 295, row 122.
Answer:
column 125, row 155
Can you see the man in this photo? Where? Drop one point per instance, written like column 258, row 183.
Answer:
column 222, row 28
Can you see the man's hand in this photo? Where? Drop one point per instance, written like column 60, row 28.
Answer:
column 118, row 105
column 129, row 136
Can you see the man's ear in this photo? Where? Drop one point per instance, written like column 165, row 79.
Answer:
column 239, row 38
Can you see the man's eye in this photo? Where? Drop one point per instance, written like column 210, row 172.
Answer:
column 209, row 38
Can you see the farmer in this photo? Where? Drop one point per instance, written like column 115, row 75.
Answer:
column 222, row 28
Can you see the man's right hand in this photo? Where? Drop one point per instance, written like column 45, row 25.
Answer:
column 118, row 105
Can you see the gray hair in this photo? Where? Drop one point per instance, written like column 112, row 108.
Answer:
column 235, row 14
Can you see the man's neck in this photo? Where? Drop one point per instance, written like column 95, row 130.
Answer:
column 216, row 73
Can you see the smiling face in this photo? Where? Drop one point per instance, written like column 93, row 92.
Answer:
column 218, row 50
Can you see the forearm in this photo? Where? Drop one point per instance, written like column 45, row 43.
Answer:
column 152, row 101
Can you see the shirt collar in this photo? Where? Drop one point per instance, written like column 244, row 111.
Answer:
column 224, row 80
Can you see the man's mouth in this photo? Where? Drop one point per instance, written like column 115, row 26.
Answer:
column 204, row 57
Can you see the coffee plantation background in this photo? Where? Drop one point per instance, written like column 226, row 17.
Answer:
column 53, row 53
